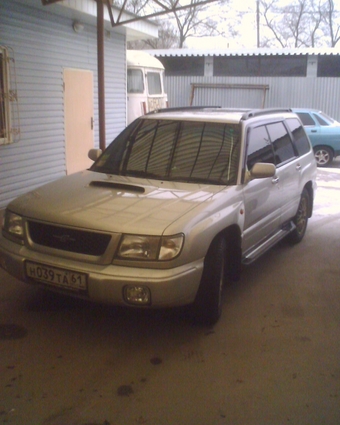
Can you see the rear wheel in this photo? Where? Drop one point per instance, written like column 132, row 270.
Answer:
column 208, row 302
column 323, row 156
column 301, row 218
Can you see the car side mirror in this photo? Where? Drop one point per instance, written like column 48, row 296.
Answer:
column 261, row 170
column 94, row 154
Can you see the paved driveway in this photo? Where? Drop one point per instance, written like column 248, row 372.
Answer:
column 273, row 358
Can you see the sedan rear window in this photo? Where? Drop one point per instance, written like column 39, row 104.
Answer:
column 186, row 151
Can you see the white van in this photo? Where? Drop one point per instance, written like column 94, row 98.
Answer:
column 145, row 84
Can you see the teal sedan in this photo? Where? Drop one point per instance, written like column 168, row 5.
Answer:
column 323, row 132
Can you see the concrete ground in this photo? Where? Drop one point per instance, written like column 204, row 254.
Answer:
column 272, row 359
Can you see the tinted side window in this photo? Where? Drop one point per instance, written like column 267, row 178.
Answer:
column 299, row 136
column 283, row 147
column 306, row 118
column 259, row 147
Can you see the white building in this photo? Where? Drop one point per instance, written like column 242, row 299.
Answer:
column 49, row 107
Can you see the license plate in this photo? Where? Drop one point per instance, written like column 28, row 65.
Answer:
column 57, row 277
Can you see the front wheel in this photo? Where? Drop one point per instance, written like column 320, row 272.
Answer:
column 323, row 156
column 208, row 302
column 301, row 219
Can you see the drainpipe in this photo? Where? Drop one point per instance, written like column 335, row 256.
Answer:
column 258, row 22
column 101, row 74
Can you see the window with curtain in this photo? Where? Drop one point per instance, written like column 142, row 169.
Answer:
column 154, row 83
column 135, row 83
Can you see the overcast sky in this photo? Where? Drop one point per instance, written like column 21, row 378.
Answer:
column 247, row 37
column 247, row 29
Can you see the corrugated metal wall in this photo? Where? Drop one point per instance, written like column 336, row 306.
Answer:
column 309, row 92
column 43, row 45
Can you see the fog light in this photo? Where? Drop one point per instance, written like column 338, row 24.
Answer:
column 138, row 295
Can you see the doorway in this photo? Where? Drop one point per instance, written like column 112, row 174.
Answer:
column 78, row 108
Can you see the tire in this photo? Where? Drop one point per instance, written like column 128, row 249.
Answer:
column 323, row 156
column 208, row 302
column 301, row 218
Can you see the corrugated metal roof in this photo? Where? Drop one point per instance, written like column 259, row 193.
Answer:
column 243, row 52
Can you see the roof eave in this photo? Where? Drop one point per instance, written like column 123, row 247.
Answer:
column 244, row 52
column 86, row 12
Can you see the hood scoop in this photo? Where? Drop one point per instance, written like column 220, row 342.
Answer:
column 118, row 186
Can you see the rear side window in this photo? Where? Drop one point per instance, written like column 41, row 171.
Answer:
column 306, row 118
column 283, row 147
column 320, row 120
column 299, row 136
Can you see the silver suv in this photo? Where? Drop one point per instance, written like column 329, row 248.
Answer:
column 169, row 211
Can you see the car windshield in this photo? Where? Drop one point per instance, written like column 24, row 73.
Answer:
column 174, row 150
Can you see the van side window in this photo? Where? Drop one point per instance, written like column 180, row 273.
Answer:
column 154, row 83
column 300, row 138
column 260, row 148
column 283, row 147
column 135, row 82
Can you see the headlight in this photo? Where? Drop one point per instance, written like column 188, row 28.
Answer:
column 137, row 247
column 13, row 225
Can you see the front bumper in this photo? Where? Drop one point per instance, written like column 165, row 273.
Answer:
column 105, row 283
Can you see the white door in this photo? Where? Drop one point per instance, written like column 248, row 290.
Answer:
column 78, row 116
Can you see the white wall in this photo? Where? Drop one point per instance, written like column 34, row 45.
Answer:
column 42, row 45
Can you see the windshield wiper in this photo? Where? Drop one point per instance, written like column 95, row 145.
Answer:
column 104, row 170
column 142, row 174
column 199, row 180
column 128, row 173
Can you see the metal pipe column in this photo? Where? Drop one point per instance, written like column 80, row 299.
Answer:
column 101, row 73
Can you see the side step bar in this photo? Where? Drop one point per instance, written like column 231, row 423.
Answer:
column 263, row 246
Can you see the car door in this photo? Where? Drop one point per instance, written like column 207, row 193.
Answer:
column 328, row 132
column 288, row 169
column 262, row 197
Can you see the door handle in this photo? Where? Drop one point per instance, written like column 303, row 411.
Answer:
column 275, row 180
column 298, row 167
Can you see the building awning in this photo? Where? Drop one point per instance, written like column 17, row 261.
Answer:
column 243, row 52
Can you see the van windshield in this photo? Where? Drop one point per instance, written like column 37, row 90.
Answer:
column 173, row 150
column 135, row 83
column 154, row 83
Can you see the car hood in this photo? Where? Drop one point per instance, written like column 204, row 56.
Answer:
column 113, row 203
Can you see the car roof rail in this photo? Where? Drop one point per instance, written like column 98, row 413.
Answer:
column 183, row 108
column 258, row 112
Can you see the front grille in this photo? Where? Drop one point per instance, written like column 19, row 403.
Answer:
column 79, row 241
